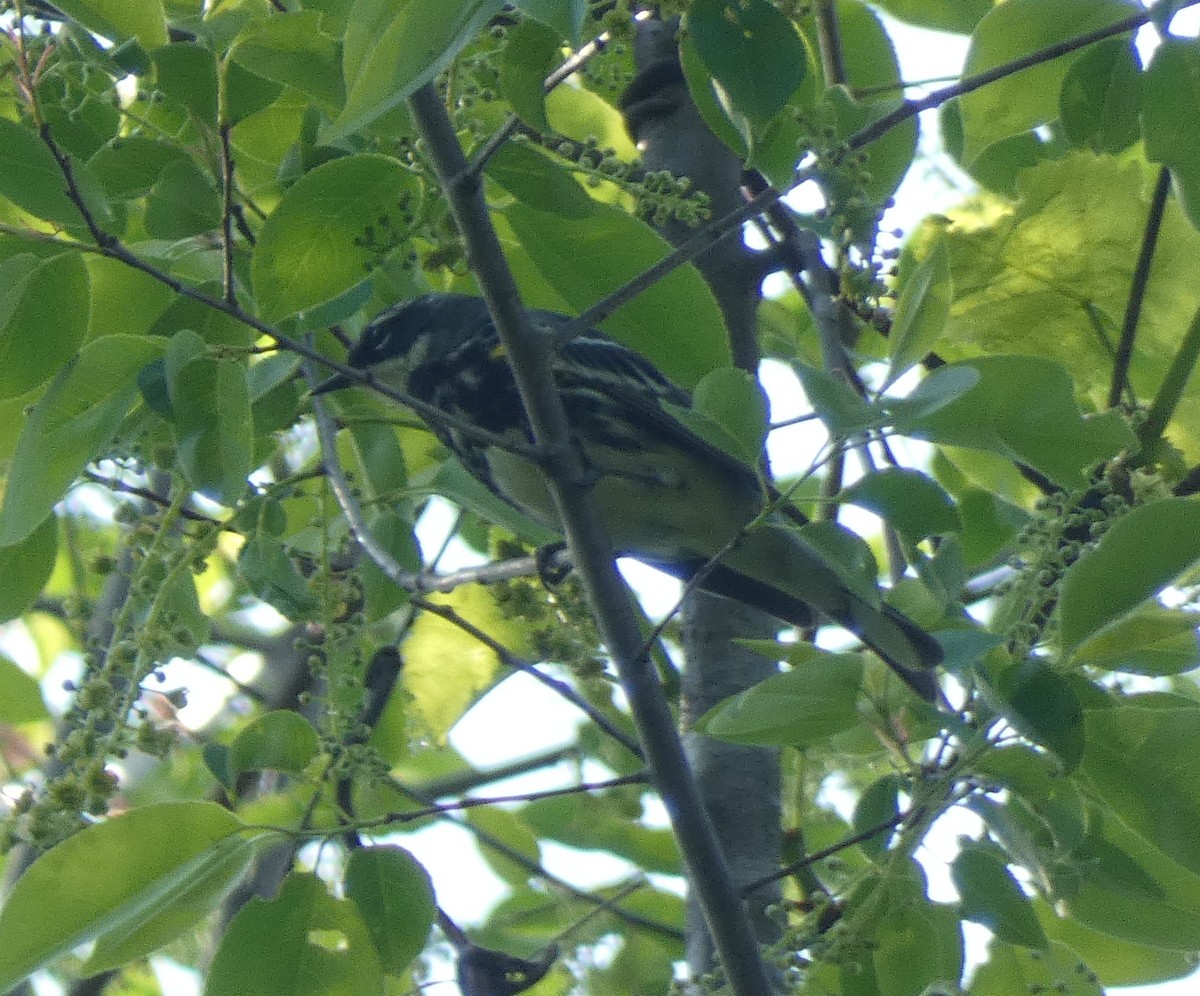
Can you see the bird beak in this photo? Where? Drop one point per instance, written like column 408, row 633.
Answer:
column 334, row 383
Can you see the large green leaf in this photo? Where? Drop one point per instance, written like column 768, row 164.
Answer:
column 87, row 886
column 394, row 895
column 214, row 433
column 1012, row 969
column 332, row 227
column 304, row 941
column 31, row 178
column 959, row 16
column 1171, row 113
column 754, row 55
column 26, row 567
column 1101, row 97
column 1022, row 101
column 676, row 323
column 1151, row 641
column 1140, row 761
column 43, row 318
column 1111, row 893
column 1024, row 409
column 290, row 48
column 187, row 73
column 79, row 413
column 20, row 695
column 989, row 895
column 1041, row 277
column 805, row 706
column 118, row 20
column 1139, row 556
column 389, row 53
column 1115, row 962
column 279, row 740
column 921, row 312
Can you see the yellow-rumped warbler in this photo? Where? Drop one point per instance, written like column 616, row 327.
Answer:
column 669, row 498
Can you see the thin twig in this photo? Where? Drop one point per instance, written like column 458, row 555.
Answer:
column 826, row 852
column 227, row 187
column 516, row 663
column 470, row 802
column 1137, row 290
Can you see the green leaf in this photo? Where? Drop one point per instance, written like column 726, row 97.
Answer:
column 1023, row 100
column 1140, row 555
column 913, row 504
column 566, row 17
column 510, row 830
column 43, row 318
column 1025, row 285
column 529, row 54
column 1139, row 760
column 958, row 16
column 76, row 417
column 1013, row 969
column 187, row 73
column 302, row 942
column 871, row 67
column 836, row 403
column 381, row 595
column 20, row 695
column 1040, row 703
column 389, row 54
column 806, row 706
column 270, row 574
column 394, row 895
column 281, row 740
column 123, row 300
column 676, row 324
column 1024, row 409
column 329, row 231
column 921, row 313
column 754, row 54
column 1112, row 894
column 735, row 401
column 445, row 668
column 1115, row 962
column 989, row 895
column 182, row 871
column 1102, row 96
column 183, row 202
column 534, row 178
column 1170, row 113
column 879, row 803
column 1152, row 641
column 31, row 178
column 196, row 890
column 918, row 946
column 215, row 437
column 118, row 20
column 129, row 165
column 291, row 48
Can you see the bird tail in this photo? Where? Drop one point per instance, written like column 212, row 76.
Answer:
column 776, row 570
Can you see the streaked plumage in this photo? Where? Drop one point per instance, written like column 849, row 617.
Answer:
column 669, row 497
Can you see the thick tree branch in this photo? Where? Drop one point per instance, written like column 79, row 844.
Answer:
column 592, row 551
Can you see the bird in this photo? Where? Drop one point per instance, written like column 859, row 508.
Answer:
column 668, row 497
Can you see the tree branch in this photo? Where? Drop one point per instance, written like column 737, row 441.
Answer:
column 1137, row 291
column 592, row 551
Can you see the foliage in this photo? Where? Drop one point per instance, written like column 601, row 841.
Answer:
column 199, row 210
